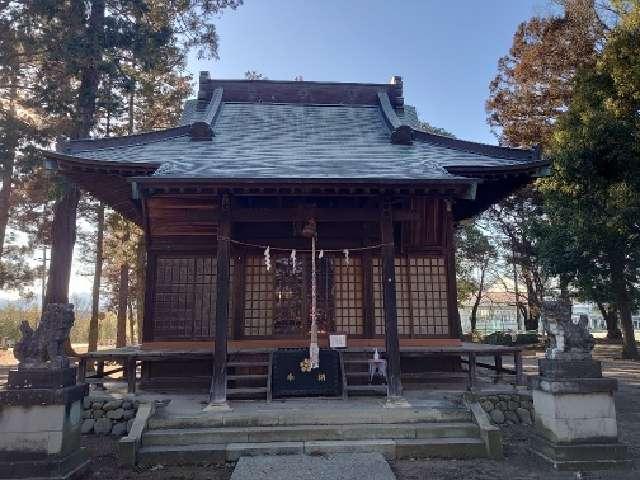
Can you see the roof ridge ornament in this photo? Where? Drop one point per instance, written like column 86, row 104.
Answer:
column 202, row 124
column 401, row 133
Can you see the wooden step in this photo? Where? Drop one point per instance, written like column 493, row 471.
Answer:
column 247, row 377
column 237, row 392
column 367, row 388
column 247, row 364
column 356, row 362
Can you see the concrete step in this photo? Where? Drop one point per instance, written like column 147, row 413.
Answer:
column 440, row 412
column 298, row 433
column 391, row 449
column 471, row 447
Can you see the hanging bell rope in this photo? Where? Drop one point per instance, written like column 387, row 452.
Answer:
column 310, row 231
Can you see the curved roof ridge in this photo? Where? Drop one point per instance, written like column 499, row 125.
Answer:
column 124, row 140
column 479, row 148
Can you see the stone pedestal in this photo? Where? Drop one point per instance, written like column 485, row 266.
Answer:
column 40, row 418
column 575, row 421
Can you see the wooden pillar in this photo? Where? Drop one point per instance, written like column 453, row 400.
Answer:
column 218, row 394
column 472, row 371
column 394, row 387
column 131, row 366
column 455, row 325
column 497, row 360
column 517, row 360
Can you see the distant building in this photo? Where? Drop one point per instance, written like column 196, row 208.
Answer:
column 496, row 312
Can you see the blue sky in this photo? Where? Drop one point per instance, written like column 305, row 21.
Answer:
column 446, row 51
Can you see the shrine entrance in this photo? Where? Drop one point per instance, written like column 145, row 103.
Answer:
column 278, row 299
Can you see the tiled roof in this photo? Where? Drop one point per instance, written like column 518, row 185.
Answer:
column 278, row 141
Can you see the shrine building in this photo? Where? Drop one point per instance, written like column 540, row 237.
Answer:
column 225, row 196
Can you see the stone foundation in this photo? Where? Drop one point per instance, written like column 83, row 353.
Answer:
column 108, row 416
column 507, row 409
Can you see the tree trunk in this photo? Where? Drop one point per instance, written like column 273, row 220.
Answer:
column 7, row 164
column 5, row 195
column 64, row 220
column 623, row 300
column 610, row 316
column 63, row 238
column 131, row 322
column 90, row 76
column 140, row 283
column 123, row 297
column 97, row 275
column 476, row 303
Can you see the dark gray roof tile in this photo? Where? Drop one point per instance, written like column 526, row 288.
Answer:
column 266, row 140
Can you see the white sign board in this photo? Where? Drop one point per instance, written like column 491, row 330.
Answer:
column 338, row 341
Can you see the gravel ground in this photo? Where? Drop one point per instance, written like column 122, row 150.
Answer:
column 519, row 464
column 104, row 465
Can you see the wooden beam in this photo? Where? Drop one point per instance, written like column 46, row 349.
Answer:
column 319, row 214
column 394, row 387
column 218, row 394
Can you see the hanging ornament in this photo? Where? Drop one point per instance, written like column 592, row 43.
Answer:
column 346, row 256
column 267, row 259
column 314, row 351
column 293, row 260
column 321, row 254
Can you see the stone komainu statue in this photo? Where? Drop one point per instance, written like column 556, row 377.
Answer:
column 568, row 338
column 44, row 347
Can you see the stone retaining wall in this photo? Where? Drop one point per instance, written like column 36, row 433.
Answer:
column 508, row 408
column 104, row 416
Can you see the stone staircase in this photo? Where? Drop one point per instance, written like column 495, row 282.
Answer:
column 430, row 429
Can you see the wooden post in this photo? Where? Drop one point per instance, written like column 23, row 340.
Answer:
column 394, row 387
column 82, row 369
column 100, row 374
column 517, row 360
column 472, row 370
column 218, row 394
column 498, row 364
column 131, row 374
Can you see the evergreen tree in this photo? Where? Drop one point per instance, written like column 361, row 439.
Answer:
column 593, row 198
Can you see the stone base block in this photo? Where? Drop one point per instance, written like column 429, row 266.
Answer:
column 40, row 433
column 48, row 378
column 558, row 369
column 581, row 456
column 54, row 467
column 575, row 417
